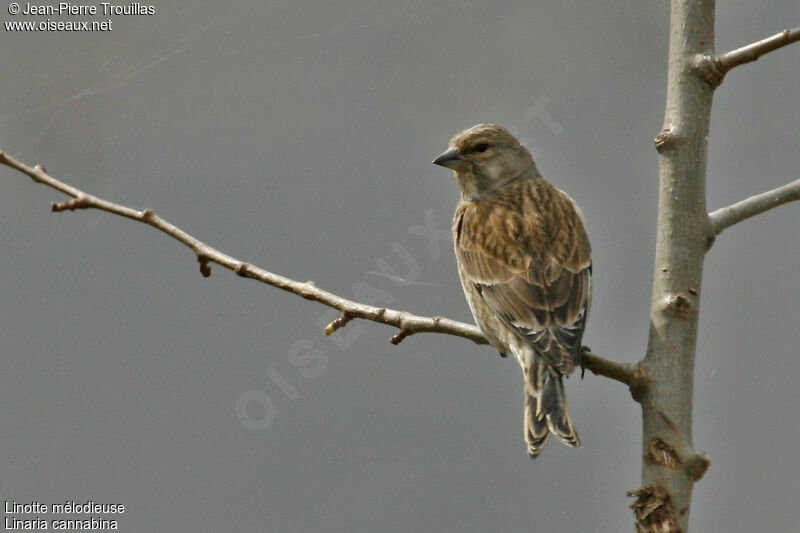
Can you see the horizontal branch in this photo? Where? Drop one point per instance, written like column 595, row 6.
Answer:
column 407, row 323
column 751, row 52
column 728, row 216
column 626, row 373
column 714, row 69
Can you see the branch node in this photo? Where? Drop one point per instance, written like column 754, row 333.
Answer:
column 398, row 337
column 205, row 268
column 79, row 202
column 697, row 466
column 338, row 323
column 638, row 382
column 711, row 238
column 242, row 269
column 147, row 214
column 709, row 69
column 665, row 139
column 654, row 511
column 662, row 453
column 678, row 304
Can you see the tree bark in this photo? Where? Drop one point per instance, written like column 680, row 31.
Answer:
column 670, row 464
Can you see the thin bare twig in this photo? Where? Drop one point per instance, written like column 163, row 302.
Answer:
column 714, row 69
column 753, row 51
column 626, row 373
column 622, row 372
column 728, row 216
column 407, row 323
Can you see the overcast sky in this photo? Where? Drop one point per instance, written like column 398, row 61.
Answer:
column 298, row 136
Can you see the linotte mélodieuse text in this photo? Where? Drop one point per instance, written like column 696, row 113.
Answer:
column 22, row 519
column 106, row 8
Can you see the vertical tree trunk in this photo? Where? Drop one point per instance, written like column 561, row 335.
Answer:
column 671, row 465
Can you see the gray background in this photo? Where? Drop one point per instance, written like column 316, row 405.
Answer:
column 298, row 135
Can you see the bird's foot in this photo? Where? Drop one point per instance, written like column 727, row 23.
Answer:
column 584, row 349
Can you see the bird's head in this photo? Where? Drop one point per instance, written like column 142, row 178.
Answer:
column 485, row 157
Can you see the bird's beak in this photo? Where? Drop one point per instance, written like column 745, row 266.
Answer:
column 450, row 159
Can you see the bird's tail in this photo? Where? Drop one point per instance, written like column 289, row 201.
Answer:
column 546, row 409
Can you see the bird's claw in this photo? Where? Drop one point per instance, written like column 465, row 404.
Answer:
column 584, row 349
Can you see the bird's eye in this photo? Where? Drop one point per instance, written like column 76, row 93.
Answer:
column 481, row 147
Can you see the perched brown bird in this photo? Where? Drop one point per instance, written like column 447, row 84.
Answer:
column 524, row 262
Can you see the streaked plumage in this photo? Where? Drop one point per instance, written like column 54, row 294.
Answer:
column 524, row 261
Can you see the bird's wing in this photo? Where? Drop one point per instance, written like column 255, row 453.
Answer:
column 526, row 252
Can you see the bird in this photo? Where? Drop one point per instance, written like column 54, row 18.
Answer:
column 524, row 261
